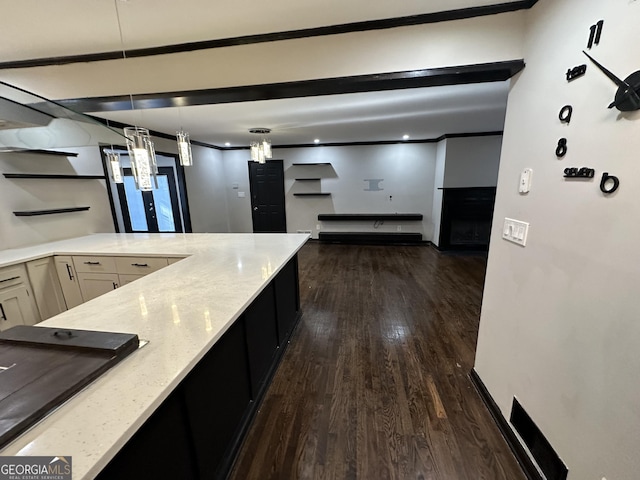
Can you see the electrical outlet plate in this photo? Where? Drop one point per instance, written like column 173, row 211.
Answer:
column 515, row 231
column 525, row 180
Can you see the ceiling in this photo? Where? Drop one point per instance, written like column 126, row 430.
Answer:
column 78, row 27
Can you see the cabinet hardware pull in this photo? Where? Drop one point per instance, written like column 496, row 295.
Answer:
column 9, row 279
column 115, row 285
column 4, row 316
column 69, row 271
column 92, row 263
column 139, row 264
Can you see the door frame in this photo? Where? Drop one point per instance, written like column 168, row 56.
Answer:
column 148, row 196
column 180, row 180
column 252, row 198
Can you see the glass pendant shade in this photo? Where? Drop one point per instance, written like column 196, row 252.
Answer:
column 184, row 148
column 114, row 164
column 260, row 151
column 142, row 156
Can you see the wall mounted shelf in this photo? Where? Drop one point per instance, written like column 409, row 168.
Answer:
column 34, row 213
column 347, row 217
column 53, row 176
column 319, row 194
column 44, row 152
column 302, row 164
column 307, row 179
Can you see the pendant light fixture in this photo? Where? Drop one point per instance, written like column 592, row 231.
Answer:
column 261, row 150
column 142, row 154
column 113, row 159
column 143, row 157
column 184, row 145
column 184, row 148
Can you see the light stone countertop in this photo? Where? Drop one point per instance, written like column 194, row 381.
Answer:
column 182, row 309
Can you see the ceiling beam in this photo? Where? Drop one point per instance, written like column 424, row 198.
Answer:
column 465, row 74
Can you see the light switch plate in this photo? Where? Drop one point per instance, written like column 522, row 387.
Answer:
column 515, row 231
column 241, row 195
column 525, row 180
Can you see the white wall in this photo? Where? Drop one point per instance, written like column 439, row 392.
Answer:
column 407, row 170
column 206, row 185
column 559, row 326
column 37, row 194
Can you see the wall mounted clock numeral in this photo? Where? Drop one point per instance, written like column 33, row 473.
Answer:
column 574, row 172
column 561, row 150
column 595, row 32
column 565, row 114
column 609, row 183
column 576, row 72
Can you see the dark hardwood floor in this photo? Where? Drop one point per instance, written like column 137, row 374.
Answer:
column 374, row 384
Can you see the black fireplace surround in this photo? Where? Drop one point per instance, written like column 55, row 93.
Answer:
column 466, row 218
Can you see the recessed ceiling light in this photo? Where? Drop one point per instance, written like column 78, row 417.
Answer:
column 317, row 140
column 405, row 137
column 227, row 144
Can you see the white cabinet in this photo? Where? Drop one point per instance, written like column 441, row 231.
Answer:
column 68, row 280
column 93, row 285
column 100, row 274
column 46, row 287
column 16, row 300
column 128, row 278
column 15, row 307
column 139, row 265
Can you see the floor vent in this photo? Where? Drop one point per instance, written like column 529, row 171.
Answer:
column 541, row 450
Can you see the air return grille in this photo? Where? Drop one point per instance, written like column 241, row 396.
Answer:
column 539, row 447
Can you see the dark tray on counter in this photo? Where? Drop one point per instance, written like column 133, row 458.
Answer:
column 41, row 368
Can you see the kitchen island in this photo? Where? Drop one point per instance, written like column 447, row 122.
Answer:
column 216, row 322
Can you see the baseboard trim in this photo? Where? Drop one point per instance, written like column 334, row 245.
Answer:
column 527, row 465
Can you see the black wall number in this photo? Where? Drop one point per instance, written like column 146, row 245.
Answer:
column 574, row 172
column 576, row 72
column 565, row 114
column 595, row 32
column 561, row 151
column 609, row 183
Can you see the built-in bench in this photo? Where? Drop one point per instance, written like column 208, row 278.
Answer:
column 370, row 237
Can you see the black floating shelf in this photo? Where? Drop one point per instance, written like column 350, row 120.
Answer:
column 45, row 152
column 34, row 213
column 307, row 179
column 347, row 217
column 53, row 176
column 311, row 194
column 324, row 163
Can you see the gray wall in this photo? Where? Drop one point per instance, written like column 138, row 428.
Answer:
column 37, row 194
column 559, row 326
column 407, row 171
column 206, row 191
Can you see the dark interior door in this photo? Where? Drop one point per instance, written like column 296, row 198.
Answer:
column 154, row 211
column 267, row 196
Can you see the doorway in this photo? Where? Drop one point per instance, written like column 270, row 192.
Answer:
column 154, row 211
column 266, row 181
column 162, row 210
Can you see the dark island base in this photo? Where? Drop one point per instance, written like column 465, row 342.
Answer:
column 198, row 429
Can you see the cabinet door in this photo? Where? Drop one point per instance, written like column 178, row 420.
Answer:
column 68, row 281
column 16, row 307
column 46, row 287
column 93, row 285
column 128, row 278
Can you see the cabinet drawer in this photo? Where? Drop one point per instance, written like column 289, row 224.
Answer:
column 10, row 276
column 139, row 265
column 94, row 264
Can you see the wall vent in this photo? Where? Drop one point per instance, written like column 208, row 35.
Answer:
column 539, row 447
